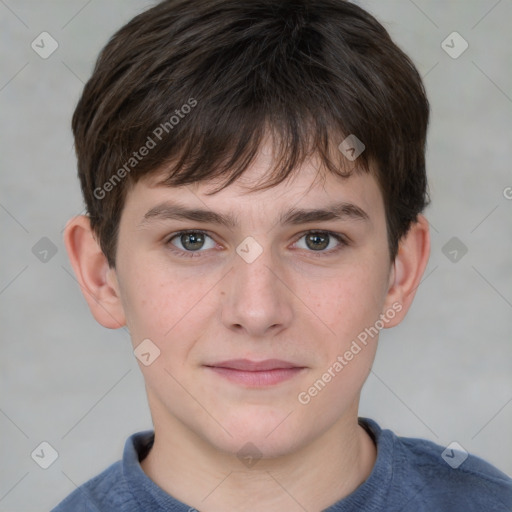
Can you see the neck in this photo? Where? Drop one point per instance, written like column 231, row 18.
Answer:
column 312, row 478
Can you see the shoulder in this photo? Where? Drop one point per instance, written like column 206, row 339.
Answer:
column 108, row 489
column 416, row 474
column 113, row 488
column 451, row 477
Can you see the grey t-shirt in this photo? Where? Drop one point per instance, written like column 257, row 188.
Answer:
column 409, row 475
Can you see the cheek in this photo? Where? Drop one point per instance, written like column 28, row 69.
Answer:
column 352, row 302
column 160, row 303
column 351, row 308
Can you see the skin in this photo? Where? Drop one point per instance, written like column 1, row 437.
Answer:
column 294, row 302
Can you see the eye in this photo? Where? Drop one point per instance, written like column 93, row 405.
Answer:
column 190, row 242
column 319, row 241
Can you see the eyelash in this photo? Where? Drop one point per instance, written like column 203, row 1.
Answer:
column 341, row 239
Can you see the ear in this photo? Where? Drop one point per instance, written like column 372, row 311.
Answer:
column 407, row 270
column 97, row 280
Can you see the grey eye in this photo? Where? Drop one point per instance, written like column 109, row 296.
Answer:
column 318, row 241
column 191, row 241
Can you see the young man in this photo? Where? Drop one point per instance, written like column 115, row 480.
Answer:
column 254, row 175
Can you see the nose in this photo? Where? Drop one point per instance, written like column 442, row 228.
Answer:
column 259, row 301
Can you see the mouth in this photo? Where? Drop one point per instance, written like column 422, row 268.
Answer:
column 256, row 373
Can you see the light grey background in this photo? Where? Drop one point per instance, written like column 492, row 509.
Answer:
column 444, row 374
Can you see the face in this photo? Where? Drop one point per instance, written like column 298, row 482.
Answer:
column 275, row 281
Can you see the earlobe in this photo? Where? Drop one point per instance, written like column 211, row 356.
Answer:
column 408, row 268
column 93, row 273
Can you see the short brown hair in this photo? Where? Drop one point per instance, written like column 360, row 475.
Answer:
column 199, row 83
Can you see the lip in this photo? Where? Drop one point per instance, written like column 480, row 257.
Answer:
column 254, row 366
column 256, row 373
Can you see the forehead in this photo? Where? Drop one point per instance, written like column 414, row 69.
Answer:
column 308, row 187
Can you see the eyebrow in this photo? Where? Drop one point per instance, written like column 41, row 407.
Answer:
column 293, row 216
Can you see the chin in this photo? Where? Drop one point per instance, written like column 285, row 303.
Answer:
column 257, row 437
